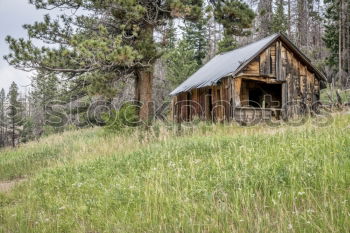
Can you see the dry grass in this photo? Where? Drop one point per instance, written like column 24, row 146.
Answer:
column 212, row 178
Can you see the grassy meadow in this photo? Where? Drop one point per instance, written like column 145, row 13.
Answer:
column 209, row 179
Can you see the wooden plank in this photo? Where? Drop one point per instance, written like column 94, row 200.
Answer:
column 253, row 67
column 237, row 91
column 207, row 98
column 284, row 100
column 284, row 63
column 268, row 62
column 229, row 98
column 278, row 61
column 263, row 63
column 244, row 94
column 273, row 51
column 261, row 79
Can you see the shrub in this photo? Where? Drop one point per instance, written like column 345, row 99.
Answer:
column 124, row 120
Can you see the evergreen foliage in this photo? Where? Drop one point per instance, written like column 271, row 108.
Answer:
column 45, row 92
column 337, row 39
column 331, row 36
column 181, row 63
column 189, row 53
column 115, row 40
column 279, row 19
column 236, row 18
column 14, row 113
column 195, row 36
column 123, row 120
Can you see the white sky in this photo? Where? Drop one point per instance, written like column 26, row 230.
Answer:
column 13, row 14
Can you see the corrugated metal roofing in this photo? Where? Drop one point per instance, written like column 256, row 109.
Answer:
column 223, row 65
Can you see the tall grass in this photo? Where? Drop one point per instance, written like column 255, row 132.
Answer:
column 215, row 179
column 61, row 149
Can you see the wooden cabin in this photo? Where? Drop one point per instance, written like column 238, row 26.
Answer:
column 270, row 78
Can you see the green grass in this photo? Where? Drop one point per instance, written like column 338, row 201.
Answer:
column 328, row 93
column 215, row 179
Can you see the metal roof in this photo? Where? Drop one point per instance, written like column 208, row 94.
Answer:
column 222, row 65
column 230, row 63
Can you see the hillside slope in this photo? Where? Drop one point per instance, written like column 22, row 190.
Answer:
column 215, row 179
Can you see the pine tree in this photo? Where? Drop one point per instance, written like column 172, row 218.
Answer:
column 45, row 93
column 265, row 17
column 169, row 36
column 195, row 36
column 115, row 41
column 14, row 113
column 45, row 90
column 227, row 43
column 2, row 118
column 279, row 19
column 189, row 53
column 302, row 23
column 337, row 38
column 181, row 63
column 236, row 18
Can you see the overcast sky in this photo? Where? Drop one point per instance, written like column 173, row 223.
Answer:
column 13, row 14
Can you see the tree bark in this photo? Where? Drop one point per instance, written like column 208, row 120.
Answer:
column 289, row 20
column 265, row 17
column 302, row 23
column 143, row 94
column 340, row 55
column 13, row 133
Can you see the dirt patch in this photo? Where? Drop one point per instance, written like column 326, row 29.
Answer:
column 7, row 186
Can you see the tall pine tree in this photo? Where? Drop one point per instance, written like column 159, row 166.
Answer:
column 337, row 38
column 236, row 18
column 14, row 113
column 109, row 40
column 195, row 35
column 279, row 19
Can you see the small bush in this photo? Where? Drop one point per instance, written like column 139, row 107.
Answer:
column 124, row 120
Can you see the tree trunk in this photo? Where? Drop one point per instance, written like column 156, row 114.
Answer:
column 289, row 20
column 13, row 133
column 302, row 23
column 1, row 137
column 340, row 55
column 265, row 17
column 143, row 94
